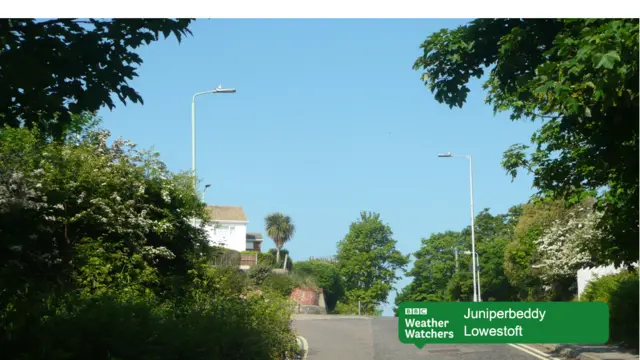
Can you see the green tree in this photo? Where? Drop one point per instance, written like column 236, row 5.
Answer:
column 521, row 254
column 438, row 276
column 435, row 265
column 368, row 262
column 493, row 234
column 580, row 76
column 51, row 69
column 280, row 229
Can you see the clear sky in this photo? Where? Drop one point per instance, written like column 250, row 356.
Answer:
column 329, row 120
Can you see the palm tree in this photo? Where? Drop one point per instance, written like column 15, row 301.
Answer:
column 280, row 228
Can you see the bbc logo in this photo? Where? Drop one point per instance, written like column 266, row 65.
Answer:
column 415, row 311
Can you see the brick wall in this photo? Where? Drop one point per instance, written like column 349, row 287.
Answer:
column 305, row 296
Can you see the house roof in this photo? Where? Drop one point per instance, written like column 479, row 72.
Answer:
column 221, row 213
column 254, row 236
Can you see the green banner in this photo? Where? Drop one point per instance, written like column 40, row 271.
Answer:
column 423, row 323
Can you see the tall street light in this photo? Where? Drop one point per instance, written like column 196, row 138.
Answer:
column 473, row 234
column 218, row 90
column 478, row 276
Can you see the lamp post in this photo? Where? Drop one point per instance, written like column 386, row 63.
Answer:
column 473, row 235
column 218, row 90
column 478, row 274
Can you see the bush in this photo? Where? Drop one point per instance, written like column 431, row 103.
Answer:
column 620, row 292
column 201, row 326
column 351, row 308
column 132, row 279
column 267, row 259
column 226, row 257
column 259, row 273
column 305, row 282
column 281, row 284
column 283, row 253
column 324, row 275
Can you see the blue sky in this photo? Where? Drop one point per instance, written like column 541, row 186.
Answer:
column 329, row 120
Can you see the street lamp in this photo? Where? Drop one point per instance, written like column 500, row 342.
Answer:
column 473, row 235
column 218, row 90
column 478, row 272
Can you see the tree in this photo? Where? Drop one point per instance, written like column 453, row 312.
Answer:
column 368, row 261
column 280, row 229
column 439, row 276
column 51, row 69
column 435, row 265
column 565, row 247
column 580, row 76
column 521, row 254
column 493, row 234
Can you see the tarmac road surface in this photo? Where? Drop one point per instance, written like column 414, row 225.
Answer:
column 331, row 337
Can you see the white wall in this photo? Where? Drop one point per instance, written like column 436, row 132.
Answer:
column 229, row 235
column 586, row 275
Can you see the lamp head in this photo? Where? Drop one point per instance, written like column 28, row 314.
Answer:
column 222, row 90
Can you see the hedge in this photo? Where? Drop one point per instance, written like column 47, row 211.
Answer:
column 620, row 292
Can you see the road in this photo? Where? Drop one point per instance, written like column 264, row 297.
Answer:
column 361, row 338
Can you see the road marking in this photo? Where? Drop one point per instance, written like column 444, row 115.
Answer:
column 533, row 352
column 305, row 347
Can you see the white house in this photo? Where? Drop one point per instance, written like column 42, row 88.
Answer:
column 587, row 274
column 230, row 227
column 229, row 230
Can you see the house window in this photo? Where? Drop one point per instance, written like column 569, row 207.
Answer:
column 232, row 230
column 222, row 231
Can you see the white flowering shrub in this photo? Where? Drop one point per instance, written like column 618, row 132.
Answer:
column 568, row 244
column 56, row 195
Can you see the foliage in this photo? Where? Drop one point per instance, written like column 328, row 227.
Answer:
column 55, row 195
column 493, row 234
column 434, row 266
column 281, row 284
column 521, row 254
column 259, row 273
column 51, row 69
column 460, row 286
column 278, row 264
column 438, row 276
column 620, row 291
column 226, row 257
column 99, row 259
column 579, row 76
column 368, row 261
column 280, row 229
column 566, row 246
column 266, row 259
column 202, row 327
column 326, row 276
